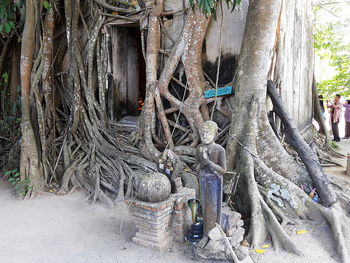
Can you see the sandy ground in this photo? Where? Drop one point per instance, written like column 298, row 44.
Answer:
column 66, row 229
column 344, row 148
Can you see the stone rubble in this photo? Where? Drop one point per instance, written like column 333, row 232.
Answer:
column 213, row 247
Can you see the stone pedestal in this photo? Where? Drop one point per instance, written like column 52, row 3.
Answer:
column 180, row 219
column 159, row 224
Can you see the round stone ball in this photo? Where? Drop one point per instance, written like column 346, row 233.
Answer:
column 154, row 187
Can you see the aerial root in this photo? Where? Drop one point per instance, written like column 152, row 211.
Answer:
column 339, row 224
column 304, row 205
column 284, row 220
column 263, row 220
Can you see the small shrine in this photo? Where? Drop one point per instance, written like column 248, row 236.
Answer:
column 176, row 206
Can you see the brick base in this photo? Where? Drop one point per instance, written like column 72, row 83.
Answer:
column 159, row 224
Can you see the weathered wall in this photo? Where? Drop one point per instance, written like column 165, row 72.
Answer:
column 294, row 60
column 232, row 35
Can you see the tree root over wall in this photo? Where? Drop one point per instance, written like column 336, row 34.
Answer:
column 269, row 176
column 67, row 135
column 186, row 53
column 276, row 201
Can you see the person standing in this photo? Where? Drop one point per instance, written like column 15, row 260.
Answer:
column 335, row 112
column 320, row 100
column 347, row 119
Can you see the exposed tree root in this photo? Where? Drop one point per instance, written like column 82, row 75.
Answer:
column 300, row 205
column 73, row 142
column 269, row 174
column 67, row 137
column 275, row 202
column 309, row 158
column 186, row 53
column 263, row 219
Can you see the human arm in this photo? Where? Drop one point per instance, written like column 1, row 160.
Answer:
column 337, row 106
column 197, row 164
column 220, row 168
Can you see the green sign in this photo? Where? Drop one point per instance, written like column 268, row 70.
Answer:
column 228, row 90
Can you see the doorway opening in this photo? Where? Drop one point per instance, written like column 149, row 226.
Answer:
column 129, row 70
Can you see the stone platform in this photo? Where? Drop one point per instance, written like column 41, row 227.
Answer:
column 162, row 223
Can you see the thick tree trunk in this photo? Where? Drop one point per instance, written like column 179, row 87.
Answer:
column 253, row 68
column 269, row 176
column 31, row 167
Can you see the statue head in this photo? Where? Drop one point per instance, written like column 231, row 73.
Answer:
column 208, row 132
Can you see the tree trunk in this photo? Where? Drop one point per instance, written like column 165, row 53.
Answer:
column 87, row 152
column 269, row 177
column 31, row 167
column 187, row 51
column 253, row 68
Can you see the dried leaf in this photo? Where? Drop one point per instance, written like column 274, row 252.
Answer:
column 259, row 251
column 301, row 232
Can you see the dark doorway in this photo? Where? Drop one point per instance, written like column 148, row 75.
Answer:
column 129, row 70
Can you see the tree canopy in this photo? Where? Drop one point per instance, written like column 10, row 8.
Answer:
column 332, row 49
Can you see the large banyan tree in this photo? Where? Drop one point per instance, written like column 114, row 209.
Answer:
column 68, row 136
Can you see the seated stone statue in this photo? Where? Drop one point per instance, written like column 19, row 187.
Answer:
column 211, row 164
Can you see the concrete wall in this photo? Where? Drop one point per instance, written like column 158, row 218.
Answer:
column 294, row 62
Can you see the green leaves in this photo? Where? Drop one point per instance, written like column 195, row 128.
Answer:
column 5, row 77
column 10, row 172
column 7, row 15
column 334, row 53
column 46, row 4
column 209, row 6
column 8, row 26
column 21, row 187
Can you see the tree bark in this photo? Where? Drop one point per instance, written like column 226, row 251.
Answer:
column 253, row 68
column 317, row 112
column 188, row 50
column 309, row 158
column 31, row 167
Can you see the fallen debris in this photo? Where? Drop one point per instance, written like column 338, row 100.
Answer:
column 223, row 241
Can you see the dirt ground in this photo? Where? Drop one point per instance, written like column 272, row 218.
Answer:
column 66, row 229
